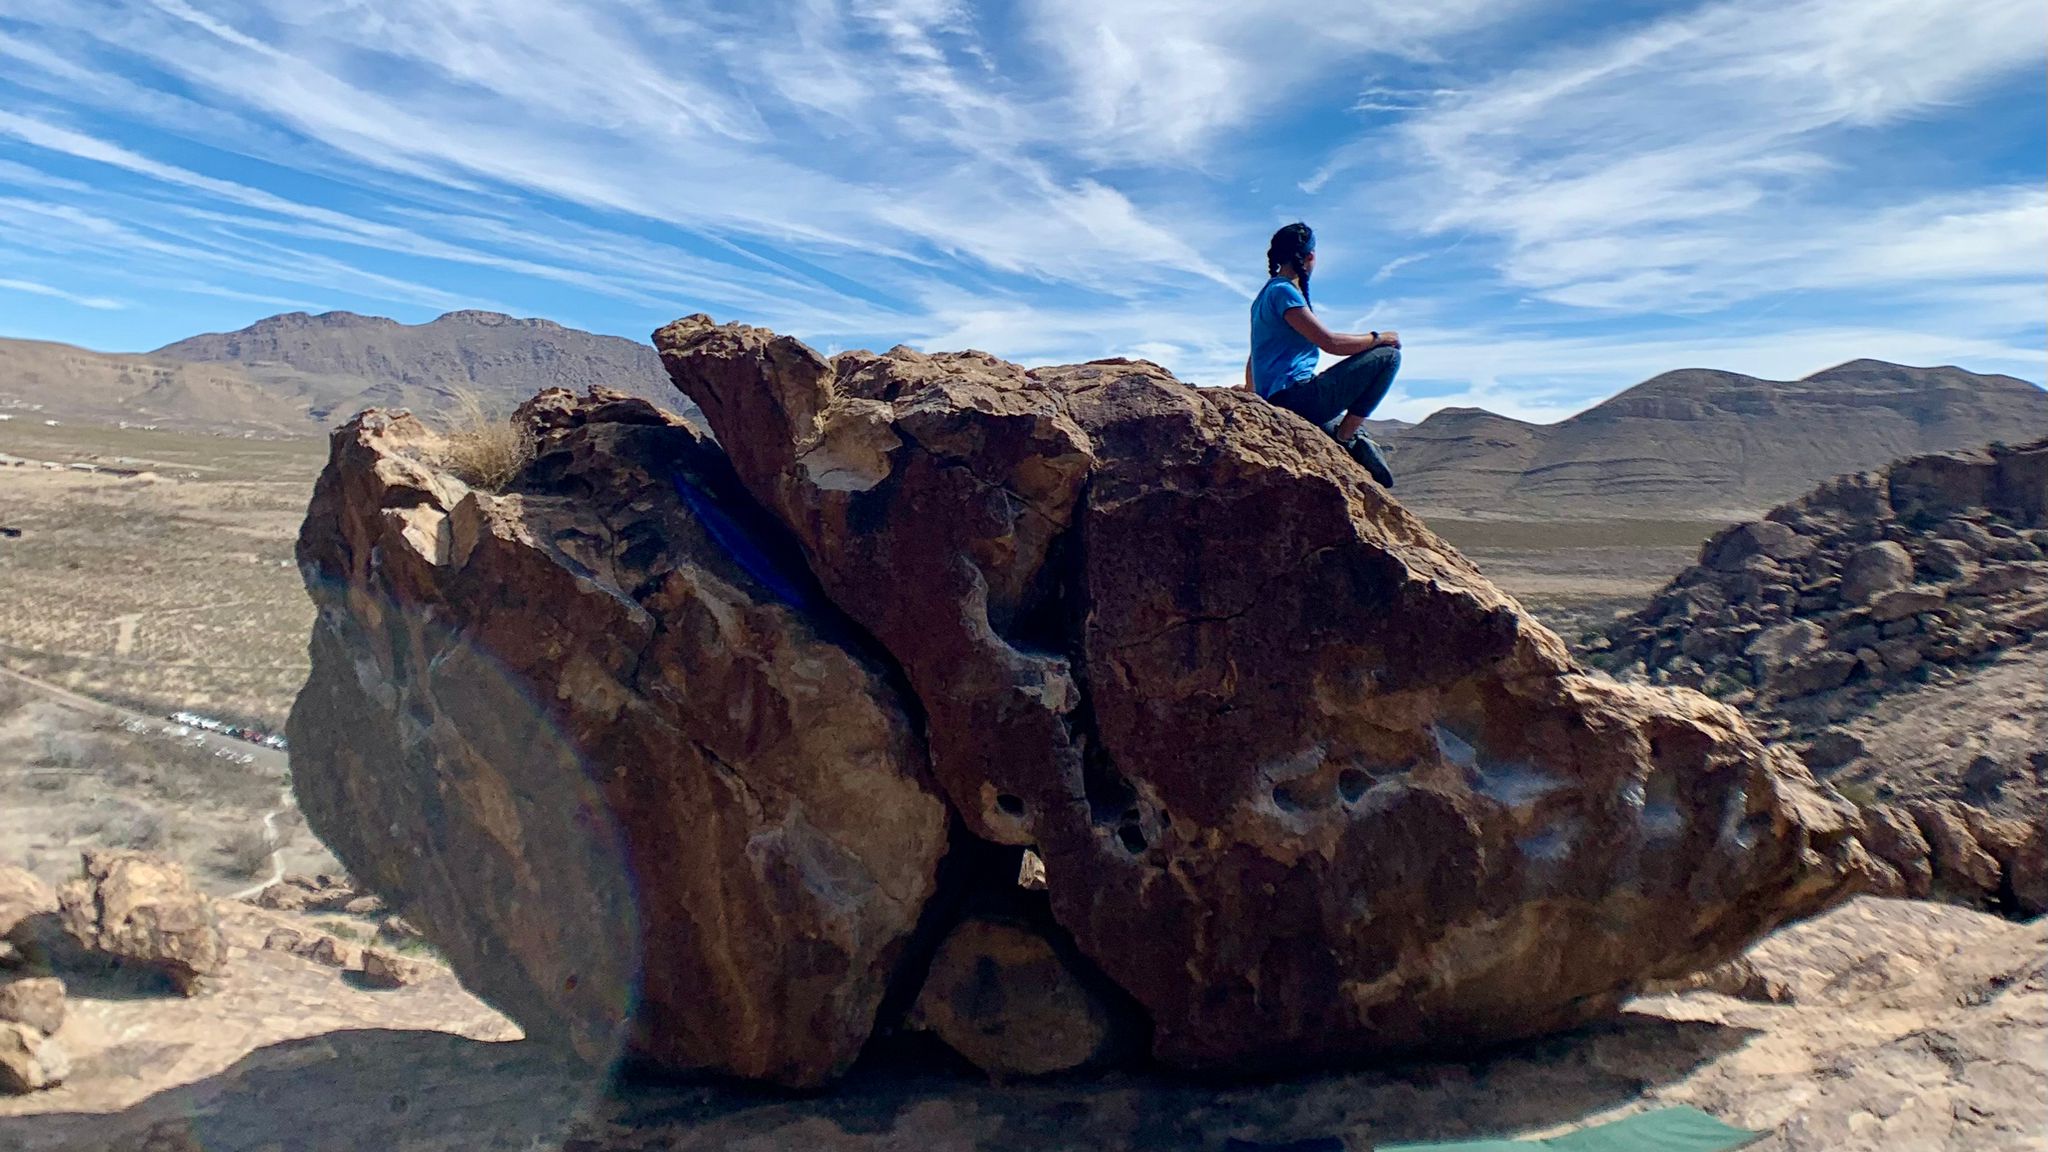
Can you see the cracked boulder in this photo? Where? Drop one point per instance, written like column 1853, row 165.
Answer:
column 1305, row 785
column 639, row 792
column 142, row 912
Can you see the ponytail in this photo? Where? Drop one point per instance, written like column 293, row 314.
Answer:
column 1289, row 251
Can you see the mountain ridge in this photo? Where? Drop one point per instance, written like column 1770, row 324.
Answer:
column 1696, row 443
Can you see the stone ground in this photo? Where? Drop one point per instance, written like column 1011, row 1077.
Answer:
column 1905, row 1026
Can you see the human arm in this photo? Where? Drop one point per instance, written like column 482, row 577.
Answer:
column 1247, row 385
column 1304, row 321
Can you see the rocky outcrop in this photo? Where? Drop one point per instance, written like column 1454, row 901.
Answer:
column 143, row 912
column 1877, row 624
column 1305, row 785
column 632, row 794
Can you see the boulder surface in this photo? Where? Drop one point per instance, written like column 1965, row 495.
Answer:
column 634, row 797
column 1305, row 784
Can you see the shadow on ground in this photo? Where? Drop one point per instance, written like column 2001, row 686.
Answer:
column 419, row 1091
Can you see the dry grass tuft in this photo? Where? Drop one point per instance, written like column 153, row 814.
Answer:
column 483, row 451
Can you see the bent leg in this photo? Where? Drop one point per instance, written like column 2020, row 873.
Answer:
column 1355, row 385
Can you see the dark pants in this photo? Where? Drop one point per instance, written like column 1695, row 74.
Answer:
column 1353, row 385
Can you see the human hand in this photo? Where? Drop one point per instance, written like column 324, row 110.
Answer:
column 1390, row 339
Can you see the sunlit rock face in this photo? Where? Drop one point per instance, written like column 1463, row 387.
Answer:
column 1306, row 785
column 638, row 799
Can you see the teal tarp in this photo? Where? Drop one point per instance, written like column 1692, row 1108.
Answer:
column 1668, row 1130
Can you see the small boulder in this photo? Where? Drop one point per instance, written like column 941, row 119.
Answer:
column 1874, row 570
column 1894, row 837
column 1900, row 603
column 142, row 910
column 999, row 995
column 382, row 969
column 333, row 952
column 1961, row 865
column 1816, row 673
column 26, row 905
column 398, row 930
column 1831, row 749
column 1762, row 538
column 1948, row 560
column 364, row 906
column 1785, row 643
column 29, row 1060
column 37, row 1001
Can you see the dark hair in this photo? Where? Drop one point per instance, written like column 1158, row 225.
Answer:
column 1289, row 253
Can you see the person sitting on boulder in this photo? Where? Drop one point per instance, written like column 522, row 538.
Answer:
column 1285, row 338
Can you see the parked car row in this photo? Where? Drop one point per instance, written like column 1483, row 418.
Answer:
column 222, row 728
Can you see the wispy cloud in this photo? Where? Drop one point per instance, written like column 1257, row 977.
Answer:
column 1563, row 200
column 34, row 289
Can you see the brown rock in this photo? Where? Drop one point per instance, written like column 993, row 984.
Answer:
column 1949, row 560
column 1894, row 837
column 1961, row 866
column 37, row 1001
column 1000, row 995
column 1767, row 538
column 143, row 911
column 382, row 969
column 1306, row 785
column 1900, row 603
column 30, row 1061
column 332, row 951
column 26, row 907
column 633, row 791
column 2021, row 848
column 1817, row 673
column 398, row 930
column 364, row 906
column 1874, row 570
column 1786, row 643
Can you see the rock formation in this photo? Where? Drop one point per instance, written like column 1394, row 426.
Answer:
column 143, row 912
column 1876, row 623
column 1304, row 785
column 630, row 795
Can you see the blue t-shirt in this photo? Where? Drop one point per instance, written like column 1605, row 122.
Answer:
column 1280, row 355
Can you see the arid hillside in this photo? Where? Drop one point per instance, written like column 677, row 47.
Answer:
column 1698, row 444
column 296, row 375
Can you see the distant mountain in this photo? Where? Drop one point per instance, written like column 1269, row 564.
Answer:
column 339, row 362
column 297, row 374
column 1705, row 445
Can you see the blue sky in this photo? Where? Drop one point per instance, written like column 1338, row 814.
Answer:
column 1549, row 204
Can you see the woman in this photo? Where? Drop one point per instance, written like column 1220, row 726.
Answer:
column 1285, row 338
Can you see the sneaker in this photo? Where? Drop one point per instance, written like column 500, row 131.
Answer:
column 1363, row 450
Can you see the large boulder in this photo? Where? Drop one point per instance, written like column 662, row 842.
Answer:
column 143, row 912
column 1305, row 784
column 634, row 790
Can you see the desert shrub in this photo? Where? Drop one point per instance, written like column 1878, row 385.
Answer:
column 483, row 451
column 245, row 852
column 341, row 930
column 124, row 827
column 1857, row 792
column 138, row 829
